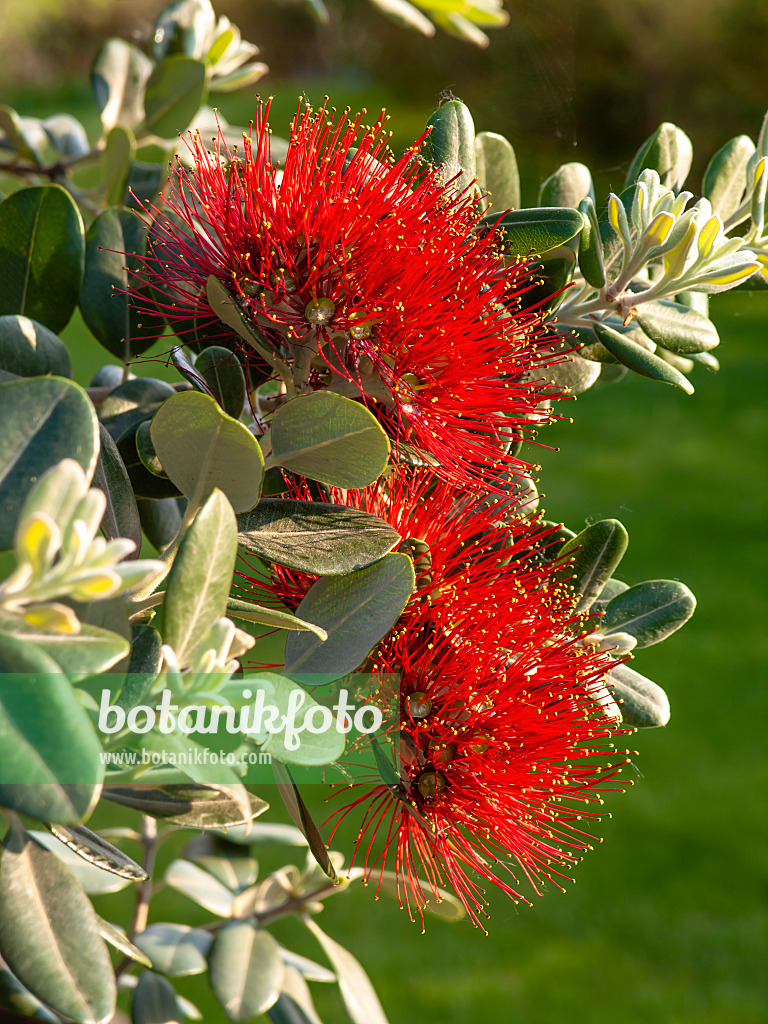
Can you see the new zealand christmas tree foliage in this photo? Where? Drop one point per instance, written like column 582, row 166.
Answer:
column 365, row 344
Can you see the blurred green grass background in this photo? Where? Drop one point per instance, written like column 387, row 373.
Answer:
column 667, row 923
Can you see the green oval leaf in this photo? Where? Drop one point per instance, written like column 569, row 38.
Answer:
column 356, row 611
column 41, row 255
column 175, row 949
column 154, row 1001
column 677, row 327
column 131, row 402
column 639, row 359
column 118, row 77
column 50, row 764
column 725, row 179
column 220, row 369
column 669, row 152
column 236, row 873
column 359, row 996
column 175, row 92
column 49, row 934
column 536, row 231
column 119, row 152
column 160, row 520
column 114, row 244
column 649, row 611
column 42, row 421
column 328, row 438
column 246, row 970
column 496, row 166
column 202, row 448
column 451, row 144
column 145, row 484
column 18, row 999
column 595, row 553
column 30, row 350
column 121, row 515
column 643, row 703
column 314, row 536
column 567, row 187
column 200, row 579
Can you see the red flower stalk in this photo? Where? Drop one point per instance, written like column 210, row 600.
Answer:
column 498, row 765
column 469, row 556
column 367, row 276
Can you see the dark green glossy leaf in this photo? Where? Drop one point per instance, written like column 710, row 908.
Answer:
column 359, row 997
column 594, row 554
column 496, row 166
column 145, row 449
column 118, row 77
column 131, row 402
column 30, row 350
column 49, row 934
column 189, row 805
column 221, row 370
column 302, row 819
column 145, row 484
column 567, row 187
column 200, row 579
column 154, row 1001
column 47, row 741
column 113, row 246
column 451, row 144
column 41, row 255
column 116, row 937
column 356, row 611
column 143, row 668
column 639, row 359
column 314, row 536
column 725, row 179
column 270, row 617
column 121, row 516
column 42, row 421
column 94, row 849
column 678, row 328
column 202, row 448
column 175, row 92
column 590, row 246
column 330, row 439
column 669, row 152
column 649, row 611
column 175, row 949
column 246, row 971
column 642, row 703
column 539, row 230
column 552, row 272
column 160, row 520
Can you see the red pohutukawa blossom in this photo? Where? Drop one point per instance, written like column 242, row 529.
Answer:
column 362, row 274
column 468, row 556
column 500, row 764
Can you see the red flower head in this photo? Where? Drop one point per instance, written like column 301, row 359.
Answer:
column 365, row 275
column 499, row 757
column 469, row 556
